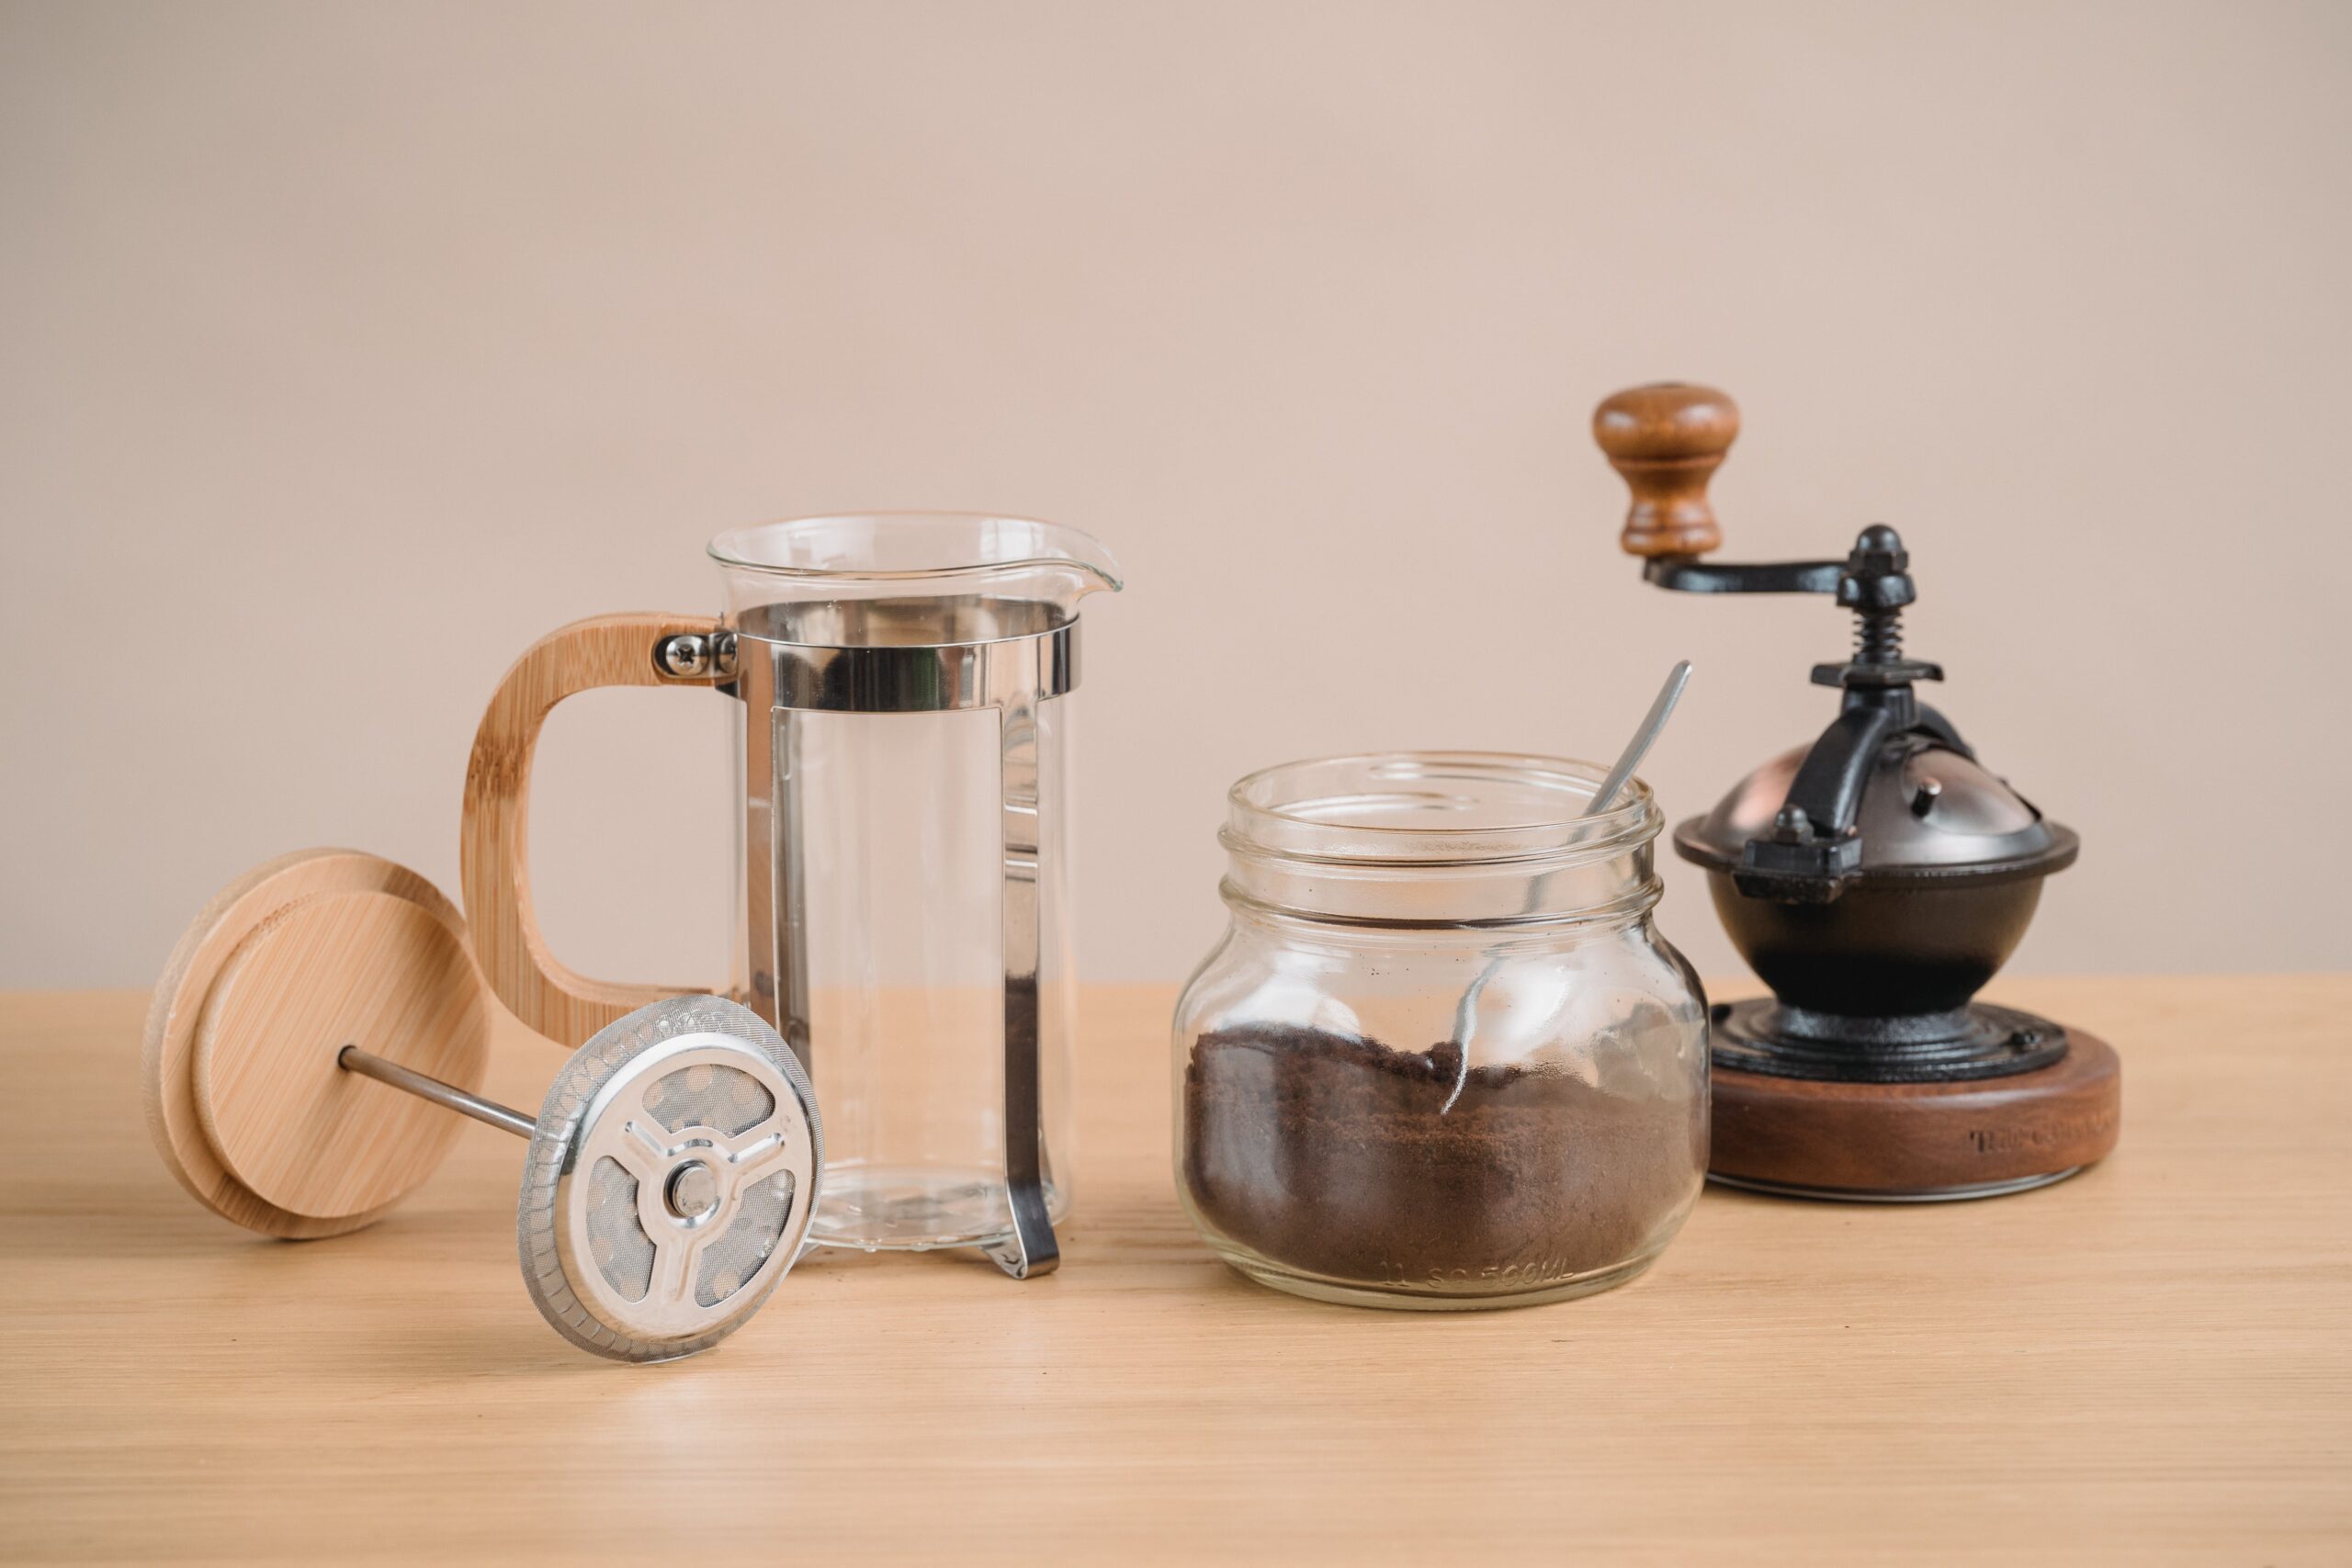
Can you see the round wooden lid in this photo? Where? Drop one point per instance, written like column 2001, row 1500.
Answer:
column 300, row 957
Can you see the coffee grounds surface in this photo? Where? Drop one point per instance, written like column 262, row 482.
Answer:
column 1340, row 1156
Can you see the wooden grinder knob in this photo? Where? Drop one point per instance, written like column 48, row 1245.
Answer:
column 1667, row 440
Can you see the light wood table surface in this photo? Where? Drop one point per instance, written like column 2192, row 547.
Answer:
column 2150, row 1363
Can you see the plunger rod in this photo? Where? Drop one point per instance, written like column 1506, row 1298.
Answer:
column 352, row 1059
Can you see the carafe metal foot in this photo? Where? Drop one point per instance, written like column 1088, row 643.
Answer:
column 1032, row 1250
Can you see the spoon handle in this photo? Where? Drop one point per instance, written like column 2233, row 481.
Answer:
column 1639, row 746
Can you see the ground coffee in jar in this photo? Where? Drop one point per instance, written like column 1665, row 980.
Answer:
column 1343, row 1158
column 1553, row 1141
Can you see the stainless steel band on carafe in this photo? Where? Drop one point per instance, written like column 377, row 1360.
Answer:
column 894, row 659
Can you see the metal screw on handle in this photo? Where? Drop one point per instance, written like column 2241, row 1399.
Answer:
column 352, row 1059
column 687, row 655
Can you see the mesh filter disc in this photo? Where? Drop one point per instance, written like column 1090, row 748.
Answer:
column 671, row 1180
column 617, row 1244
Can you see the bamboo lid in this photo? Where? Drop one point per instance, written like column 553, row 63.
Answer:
column 301, row 956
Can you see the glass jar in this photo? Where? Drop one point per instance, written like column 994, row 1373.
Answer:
column 1443, row 1057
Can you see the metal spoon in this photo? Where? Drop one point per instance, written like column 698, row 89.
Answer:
column 1639, row 746
column 1465, row 1012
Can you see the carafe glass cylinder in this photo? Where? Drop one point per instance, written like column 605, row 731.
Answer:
column 902, row 916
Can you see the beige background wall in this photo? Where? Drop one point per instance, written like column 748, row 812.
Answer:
column 345, row 348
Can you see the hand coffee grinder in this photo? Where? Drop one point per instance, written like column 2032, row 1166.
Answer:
column 1875, row 880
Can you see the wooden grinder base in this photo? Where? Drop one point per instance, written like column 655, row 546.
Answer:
column 1898, row 1142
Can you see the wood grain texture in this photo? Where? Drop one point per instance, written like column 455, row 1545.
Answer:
column 169, row 1057
column 493, row 853
column 2151, row 1363
column 1665, row 441
column 1914, row 1137
column 366, row 969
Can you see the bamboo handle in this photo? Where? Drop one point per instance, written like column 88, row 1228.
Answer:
column 493, row 857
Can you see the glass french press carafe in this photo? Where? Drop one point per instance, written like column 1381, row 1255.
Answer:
column 902, row 890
